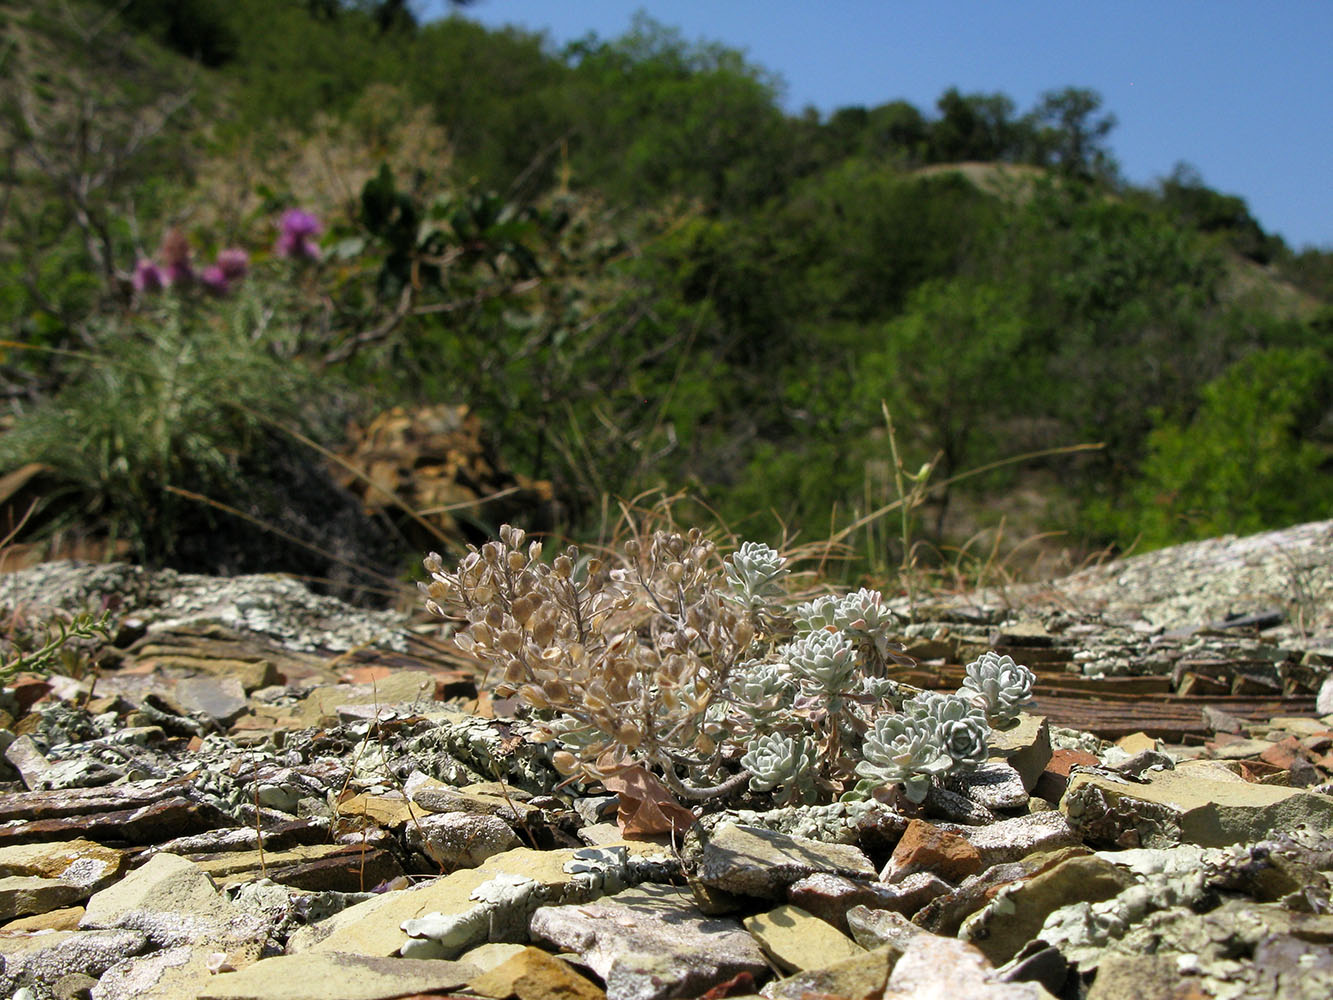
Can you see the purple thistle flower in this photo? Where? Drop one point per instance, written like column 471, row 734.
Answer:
column 298, row 232
column 214, row 279
column 148, row 277
column 233, row 263
column 176, row 257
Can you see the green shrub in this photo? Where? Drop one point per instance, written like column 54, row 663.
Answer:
column 175, row 396
column 1244, row 462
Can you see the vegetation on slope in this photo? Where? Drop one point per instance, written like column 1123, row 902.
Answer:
column 638, row 269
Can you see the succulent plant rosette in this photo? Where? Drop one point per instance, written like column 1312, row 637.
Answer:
column 703, row 669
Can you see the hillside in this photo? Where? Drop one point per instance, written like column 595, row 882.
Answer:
column 639, row 274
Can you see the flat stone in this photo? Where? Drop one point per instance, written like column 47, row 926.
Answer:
column 46, row 805
column 830, row 897
column 915, row 891
column 176, row 973
column 994, row 785
column 858, row 976
column 1221, row 721
column 925, row 847
column 400, row 687
column 1015, row 838
column 28, row 759
column 21, row 895
column 386, row 811
column 148, row 824
column 36, row 960
column 1015, row 916
column 1138, row 977
column 1238, row 749
column 1055, row 778
column 486, row 957
column 78, row 862
column 946, row 913
column 174, row 902
column 532, row 974
column 1298, row 725
column 1136, row 743
column 795, row 940
column 437, row 797
column 375, row 926
column 1185, row 807
column 750, row 861
column 460, row 839
column 221, row 699
column 313, row 867
column 326, row 975
column 1025, row 746
column 955, row 807
column 872, row 928
column 65, row 919
column 938, row 968
column 631, row 938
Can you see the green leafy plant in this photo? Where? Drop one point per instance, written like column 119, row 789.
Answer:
column 670, row 656
column 46, row 647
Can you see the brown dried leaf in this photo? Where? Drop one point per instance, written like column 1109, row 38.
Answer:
column 646, row 806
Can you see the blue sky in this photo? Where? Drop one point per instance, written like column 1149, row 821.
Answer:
column 1240, row 89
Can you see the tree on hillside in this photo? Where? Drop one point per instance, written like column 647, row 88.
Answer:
column 1195, row 204
column 657, row 114
column 1070, row 134
column 974, row 127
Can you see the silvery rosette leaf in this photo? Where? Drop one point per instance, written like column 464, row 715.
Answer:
column 903, row 749
column 754, row 572
column 998, row 686
column 817, row 615
column 862, row 611
column 760, row 690
column 775, row 760
column 963, row 731
column 878, row 688
column 825, row 662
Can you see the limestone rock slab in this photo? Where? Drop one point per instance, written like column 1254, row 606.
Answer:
column 859, row 976
column 532, row 974
column 1015, row 916
column 35, row 960
column 1016, row 838
column 461, row 839
column 174, row 902
column 634, row 938
column 78, row 862
column 1185, row 807
column 750, row 861
column 796, row 940
column 23, row 895
column 325, row 975
column 1026, row 747
column 938, row 968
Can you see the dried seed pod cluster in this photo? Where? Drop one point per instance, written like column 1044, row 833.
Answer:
column 622, row 662
column 669, row 655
